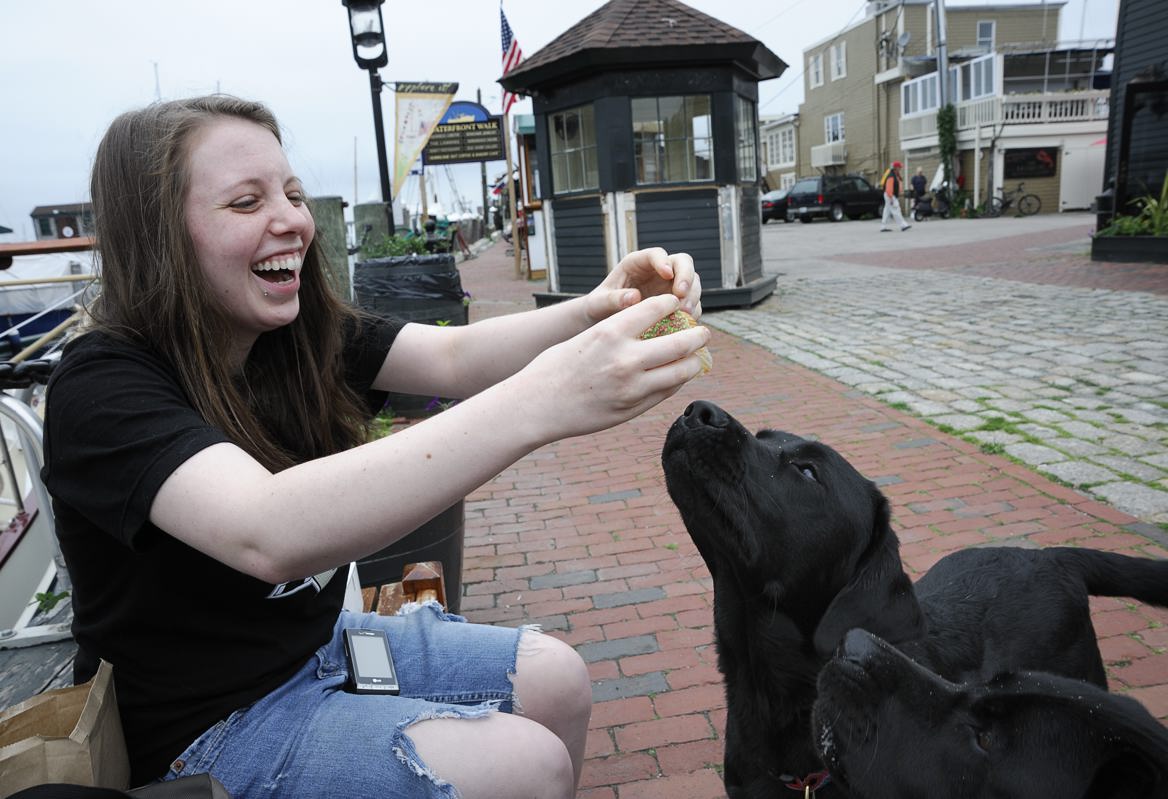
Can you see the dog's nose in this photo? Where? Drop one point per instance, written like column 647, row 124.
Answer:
column 705, row 414
column 859, row 646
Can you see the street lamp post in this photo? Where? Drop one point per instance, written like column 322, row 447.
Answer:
column 369, row 51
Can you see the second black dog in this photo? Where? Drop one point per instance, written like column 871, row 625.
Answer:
column 801, row 551
column 890, row 729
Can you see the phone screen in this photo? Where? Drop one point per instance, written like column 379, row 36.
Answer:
column 371, row 659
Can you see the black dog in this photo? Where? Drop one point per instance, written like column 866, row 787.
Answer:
column 801, row 551
column 890, row 729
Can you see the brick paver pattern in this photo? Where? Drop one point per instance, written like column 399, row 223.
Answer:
column 581, row 537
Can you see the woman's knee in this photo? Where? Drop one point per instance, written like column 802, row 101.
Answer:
column 551, row 679
column 497, row 755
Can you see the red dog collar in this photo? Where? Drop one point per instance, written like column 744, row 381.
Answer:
column 809, row 784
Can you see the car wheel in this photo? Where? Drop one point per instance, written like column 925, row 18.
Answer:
column 837, row 212
column 765, row 220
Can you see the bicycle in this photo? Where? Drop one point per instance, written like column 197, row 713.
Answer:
column 1028, row 204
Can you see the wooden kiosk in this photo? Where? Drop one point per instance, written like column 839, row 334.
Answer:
column 646, row 131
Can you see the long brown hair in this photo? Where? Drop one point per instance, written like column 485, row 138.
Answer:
column 291, row 403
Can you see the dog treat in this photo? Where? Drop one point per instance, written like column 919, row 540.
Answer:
column 680, row 320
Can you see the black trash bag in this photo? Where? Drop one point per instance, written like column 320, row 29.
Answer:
column 408, row 277
column 426, row 289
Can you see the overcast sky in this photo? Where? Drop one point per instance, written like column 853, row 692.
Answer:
column 68, row 67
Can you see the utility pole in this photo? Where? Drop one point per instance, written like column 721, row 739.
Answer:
column 943, row 98
column 483, row 175
column 942, row 54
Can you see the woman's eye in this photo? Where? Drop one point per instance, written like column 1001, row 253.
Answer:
column 296, row 199
column 245, row 203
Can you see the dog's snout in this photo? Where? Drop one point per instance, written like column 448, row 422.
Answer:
column 705, row 414
column 859, row 646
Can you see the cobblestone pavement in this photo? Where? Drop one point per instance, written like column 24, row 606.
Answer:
column 994, row 341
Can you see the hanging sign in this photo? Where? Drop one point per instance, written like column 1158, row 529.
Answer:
column 418, row 107
column 467, row 132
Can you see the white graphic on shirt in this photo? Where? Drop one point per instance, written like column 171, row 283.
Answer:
column 317, row 582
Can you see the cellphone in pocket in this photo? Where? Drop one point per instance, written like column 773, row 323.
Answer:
column 371, row 668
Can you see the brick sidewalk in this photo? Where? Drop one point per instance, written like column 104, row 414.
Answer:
column 581, row 537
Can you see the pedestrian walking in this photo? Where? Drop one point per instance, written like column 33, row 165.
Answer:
column 891, row 185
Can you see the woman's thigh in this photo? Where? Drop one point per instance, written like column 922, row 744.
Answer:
column 310, row 737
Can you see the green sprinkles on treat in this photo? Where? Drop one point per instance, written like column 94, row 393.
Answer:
column 678, row 320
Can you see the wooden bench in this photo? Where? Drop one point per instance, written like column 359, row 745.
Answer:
column 420, row 582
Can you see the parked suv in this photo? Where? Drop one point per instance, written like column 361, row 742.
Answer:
column 835, row 196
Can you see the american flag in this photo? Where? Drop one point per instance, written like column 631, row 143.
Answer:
column 511, row 56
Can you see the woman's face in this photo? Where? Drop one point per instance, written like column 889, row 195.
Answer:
column 246, row 214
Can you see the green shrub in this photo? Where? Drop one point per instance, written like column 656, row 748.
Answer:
column 1152, row 219
column 394, row 245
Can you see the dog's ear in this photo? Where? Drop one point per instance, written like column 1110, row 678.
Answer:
column 1130, row 773
column 878, row 598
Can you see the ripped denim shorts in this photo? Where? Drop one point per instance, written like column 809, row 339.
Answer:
column 311, row 738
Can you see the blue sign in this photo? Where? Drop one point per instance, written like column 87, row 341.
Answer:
column 464, row 111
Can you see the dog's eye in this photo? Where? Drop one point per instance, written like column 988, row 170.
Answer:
column 807, row 470
column 985, row 740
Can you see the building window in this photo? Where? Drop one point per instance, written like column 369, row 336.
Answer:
column 673, row 139
column 786, row 180
column 780, row 145
column 787, row 146
column 839, row 61
column 745, row 127
column 45, row 225
column 985, row 35
column 572, row 136
column 920, row 95
column 833, row 128
column 976, row 78
column 815, row 70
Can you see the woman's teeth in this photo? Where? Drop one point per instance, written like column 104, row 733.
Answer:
column 279, row 270
column 290, row 263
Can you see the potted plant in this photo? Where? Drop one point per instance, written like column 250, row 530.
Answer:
column 1139, row 237
column 399, row 277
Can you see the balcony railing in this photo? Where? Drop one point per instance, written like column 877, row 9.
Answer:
column 831, row 154
column 1015, row 109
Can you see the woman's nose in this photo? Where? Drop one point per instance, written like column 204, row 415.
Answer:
column 288, row 217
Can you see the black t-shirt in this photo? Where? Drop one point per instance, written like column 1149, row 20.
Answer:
column 190, row 639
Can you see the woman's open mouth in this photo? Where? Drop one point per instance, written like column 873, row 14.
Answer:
column 278, row 270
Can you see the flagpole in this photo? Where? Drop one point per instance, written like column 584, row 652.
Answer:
column 511, row 194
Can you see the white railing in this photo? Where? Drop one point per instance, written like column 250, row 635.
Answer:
column 1058, row 107
column 830, row 154
column 1014, row 109
column 983, row 111
column 918, row 126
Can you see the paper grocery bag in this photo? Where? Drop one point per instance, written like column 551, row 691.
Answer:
column 70, row 735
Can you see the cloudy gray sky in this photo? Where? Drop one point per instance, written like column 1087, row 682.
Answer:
column 68, row 67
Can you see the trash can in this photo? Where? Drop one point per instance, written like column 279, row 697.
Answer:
column 412, row 288
column 439, row 539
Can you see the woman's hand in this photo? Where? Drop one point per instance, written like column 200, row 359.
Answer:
column 643, row 274
column 608, row 374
